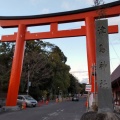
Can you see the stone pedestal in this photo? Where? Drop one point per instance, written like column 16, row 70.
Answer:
column 10, row 108
column 100, row 116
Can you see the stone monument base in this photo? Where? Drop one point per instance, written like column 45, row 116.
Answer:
column 10, row 108
column 99, row 116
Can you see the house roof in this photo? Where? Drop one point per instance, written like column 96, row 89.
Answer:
column 115, row 74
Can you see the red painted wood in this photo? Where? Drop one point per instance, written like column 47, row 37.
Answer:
column 16, row 67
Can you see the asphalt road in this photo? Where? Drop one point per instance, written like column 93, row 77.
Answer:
column 67, row 110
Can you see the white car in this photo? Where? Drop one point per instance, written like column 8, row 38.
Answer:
column 30, row 102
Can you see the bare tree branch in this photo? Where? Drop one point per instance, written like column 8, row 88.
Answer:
column 100, row 12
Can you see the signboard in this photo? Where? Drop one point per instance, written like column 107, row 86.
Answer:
column 88, row 88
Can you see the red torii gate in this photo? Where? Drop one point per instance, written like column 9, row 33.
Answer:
column 22, row 22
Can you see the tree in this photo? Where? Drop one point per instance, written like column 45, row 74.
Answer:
column 45, row 64
column 36, row 62
column 47, row 68
column 82, row 86
column 61, row 78
column 6, row 55
column 73, row 88
column 100, row 12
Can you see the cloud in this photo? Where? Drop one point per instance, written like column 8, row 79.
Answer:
column 84, row 80
column 114, row 20
column 66, row 6
column 78, row 71
column 89, row 2
column 81, row 75
column 35, row 2
column 45, row 10
column 116, row 41
column 76, row 4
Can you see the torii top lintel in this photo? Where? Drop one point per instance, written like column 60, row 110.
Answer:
column 111, row 10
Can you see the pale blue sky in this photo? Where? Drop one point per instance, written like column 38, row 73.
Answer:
column 73, row 48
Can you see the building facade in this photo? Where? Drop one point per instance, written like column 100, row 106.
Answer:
column 115, row 79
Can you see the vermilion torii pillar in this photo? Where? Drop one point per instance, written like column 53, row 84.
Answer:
column 16, row 66
column 90, row 44
column 22, row 22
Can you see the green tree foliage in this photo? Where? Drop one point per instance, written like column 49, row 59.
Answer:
column 61, row 78
column 76, row 87
column 47, row 68
column 82, row 86
column 6, row 56
column 37, row 63
column 44, row 64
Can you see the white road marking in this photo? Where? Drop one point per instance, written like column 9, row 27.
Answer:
column 77, row 117
column 53, row 114
column 45, row 118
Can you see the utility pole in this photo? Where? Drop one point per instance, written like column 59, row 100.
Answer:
column 94, row 75
column 28, row 83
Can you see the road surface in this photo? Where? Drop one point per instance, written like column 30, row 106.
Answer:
column 67, row 110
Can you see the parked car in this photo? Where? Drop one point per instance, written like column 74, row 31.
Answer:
column 30, row 101
column 75, row 98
